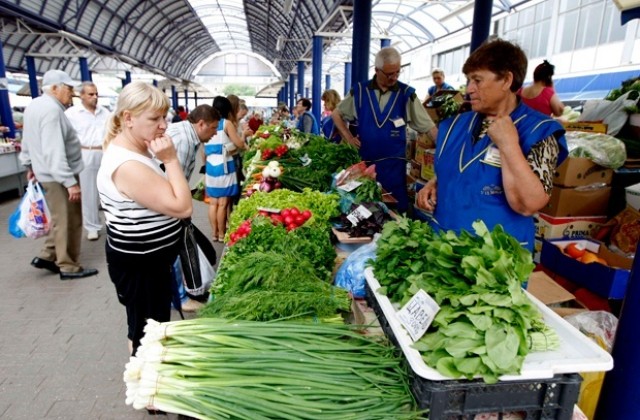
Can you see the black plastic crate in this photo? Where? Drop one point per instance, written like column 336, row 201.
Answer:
column 534, row 399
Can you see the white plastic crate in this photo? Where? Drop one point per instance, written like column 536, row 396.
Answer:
column 577, row 353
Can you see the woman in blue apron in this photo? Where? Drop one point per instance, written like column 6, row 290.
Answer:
column 495, row 163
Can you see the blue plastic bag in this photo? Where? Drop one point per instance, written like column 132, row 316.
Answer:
column 350, row 275
column 14, row 228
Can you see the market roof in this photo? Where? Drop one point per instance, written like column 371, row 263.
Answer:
column 173, row 37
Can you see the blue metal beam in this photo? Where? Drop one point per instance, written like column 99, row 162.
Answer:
column 361, row 40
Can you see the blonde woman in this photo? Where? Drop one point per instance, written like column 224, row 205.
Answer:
column 143, row 205
column 221, row 180
column 331, row 99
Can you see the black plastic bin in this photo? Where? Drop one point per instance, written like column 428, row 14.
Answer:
column 534, row 399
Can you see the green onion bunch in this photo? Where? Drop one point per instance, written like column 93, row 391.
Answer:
column 217, row 369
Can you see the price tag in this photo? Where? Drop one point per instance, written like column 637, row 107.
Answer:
column 360, row 213
column 350, row 186
column 417, row 314
column 306, row 161
column 269, row 209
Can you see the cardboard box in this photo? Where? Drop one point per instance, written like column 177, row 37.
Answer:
column 419, row 155
column 632, row 196
column 576, row 172
column 411, row 149
column 427, row 172
column 425, row 141
column 606, row 281
column 553, row 295
column 591, row 127
column 433, row 110
column 415, row 169
column 572, row 202
column 550, row 227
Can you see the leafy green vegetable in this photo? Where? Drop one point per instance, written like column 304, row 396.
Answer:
column 486, row 321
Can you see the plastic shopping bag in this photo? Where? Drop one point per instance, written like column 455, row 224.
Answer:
column 14, row 228
column 350, row 275
column 35, row 218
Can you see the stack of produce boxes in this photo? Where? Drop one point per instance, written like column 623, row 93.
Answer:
column 577, row 208
column 578, row 203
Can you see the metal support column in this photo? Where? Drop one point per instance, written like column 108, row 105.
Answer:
column 292, row 92
column 174, row 98
column 327, row 81
column 385, row 42
column 33, row 79
column 155, row 82
column 186, row 100
column 300, row 80
column 127, row 78
column 85, row 74
column 5, row 105
column 361, row 40
column 481, row 22
column 347, row 78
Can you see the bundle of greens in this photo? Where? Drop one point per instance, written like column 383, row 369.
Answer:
column 217, row 369
column 264, row 286
column 486, row 324
column 400, row 254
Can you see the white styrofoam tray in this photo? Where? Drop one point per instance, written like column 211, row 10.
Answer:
column 577, row 353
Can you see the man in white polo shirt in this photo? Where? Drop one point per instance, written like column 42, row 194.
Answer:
column 89, row 120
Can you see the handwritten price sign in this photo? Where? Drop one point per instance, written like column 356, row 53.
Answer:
column 417, row 314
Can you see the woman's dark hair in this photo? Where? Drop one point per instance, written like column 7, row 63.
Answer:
column 499, row 57
column 305, row 103
column 223, row 105
column 544, row 73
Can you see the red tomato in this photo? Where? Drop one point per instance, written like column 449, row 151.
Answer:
column 574, row 250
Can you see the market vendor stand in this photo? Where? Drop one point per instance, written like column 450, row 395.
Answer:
column 547, row 387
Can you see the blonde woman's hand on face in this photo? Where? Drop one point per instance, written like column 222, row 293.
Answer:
column 162, row 147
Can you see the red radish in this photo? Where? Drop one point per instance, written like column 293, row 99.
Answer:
column 299, row 219
column 306, row 214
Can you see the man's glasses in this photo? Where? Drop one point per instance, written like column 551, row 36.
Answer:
column 390, row 75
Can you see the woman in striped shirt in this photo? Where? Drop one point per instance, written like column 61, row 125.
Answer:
column 143, row 205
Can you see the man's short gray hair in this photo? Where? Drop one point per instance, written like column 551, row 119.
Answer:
column 437, row 71
column 387, row 55
column 87, row 84
column 47, row 88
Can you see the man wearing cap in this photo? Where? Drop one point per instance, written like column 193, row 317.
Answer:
column 89, row 120
column 52, row 153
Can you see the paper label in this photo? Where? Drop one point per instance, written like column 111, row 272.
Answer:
column 306, row 161
column 360, row 213
column 269, row 209
column 492, row 157
column 350, row 186
column 417, row 314
column 398, row 122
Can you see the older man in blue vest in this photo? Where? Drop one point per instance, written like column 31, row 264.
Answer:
column 382, row 108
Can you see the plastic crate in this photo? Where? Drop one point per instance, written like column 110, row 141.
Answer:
column 550, row 398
